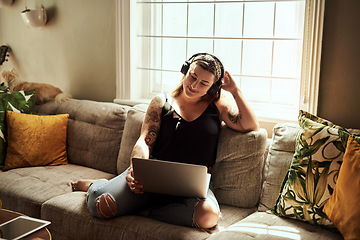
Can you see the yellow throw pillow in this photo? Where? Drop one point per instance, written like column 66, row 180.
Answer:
column 35, row 140
column 342, row 208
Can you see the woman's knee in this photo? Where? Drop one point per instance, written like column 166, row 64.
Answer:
column 105, row 206
column 205, row 216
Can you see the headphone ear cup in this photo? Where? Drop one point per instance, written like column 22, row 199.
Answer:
column 214, row 88
column 185, row 67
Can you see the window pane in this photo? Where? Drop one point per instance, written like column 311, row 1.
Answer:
column 150, row 49
column 155, row 82
column 150, row 82
column 173, row 53
column 228, row 20
column 201, row 20
column 289, row 21
column 285, row 91
column 149, row 19
column 259, row 19
column 171, row 80
column 256, row 89
column 275, row 111
column 199, row 45
column 155, row 48
column 230, row 53
column 287, row 58
column 257, row 57
column 174, row 22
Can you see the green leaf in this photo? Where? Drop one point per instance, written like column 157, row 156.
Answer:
column 311, row 128
column 4, row 88
column 310, row 183
column 321, row 185
column 300, row 188
column 307, row 216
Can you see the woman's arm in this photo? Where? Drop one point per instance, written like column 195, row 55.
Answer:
column 144, row 145
column 150, row 129
column 235, row 111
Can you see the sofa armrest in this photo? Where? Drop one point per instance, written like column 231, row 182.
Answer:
column 237, row 173
column 277, row 162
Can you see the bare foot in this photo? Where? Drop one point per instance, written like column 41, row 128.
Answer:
column 82, row 185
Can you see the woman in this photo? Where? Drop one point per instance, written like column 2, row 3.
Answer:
column 185, row 125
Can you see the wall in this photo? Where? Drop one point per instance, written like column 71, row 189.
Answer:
column 75, row 51
column 340, row 72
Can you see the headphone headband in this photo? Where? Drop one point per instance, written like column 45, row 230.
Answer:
column 216, row 60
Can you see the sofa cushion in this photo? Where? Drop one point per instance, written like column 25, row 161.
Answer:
column 314, row 169
column 131, row 134
column 69, row 213
column 94, row 131
column 23, row 101
column 278, row 161
column 262, row 225
column 26, row 189
column 237, row 173
column 35, row 140
column 342, row 207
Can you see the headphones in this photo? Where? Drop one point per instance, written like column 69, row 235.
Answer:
column 217, row 85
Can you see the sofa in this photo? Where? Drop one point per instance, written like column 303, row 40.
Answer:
column 247, row 178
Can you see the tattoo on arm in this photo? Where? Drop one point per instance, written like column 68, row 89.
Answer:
column 234, row 116
column 151, row 136
column 149, row 129
column 152, row 122
column 152, row 116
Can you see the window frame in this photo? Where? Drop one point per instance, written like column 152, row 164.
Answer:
column 310, row 69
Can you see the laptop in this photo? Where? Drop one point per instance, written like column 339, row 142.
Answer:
column 171, row 178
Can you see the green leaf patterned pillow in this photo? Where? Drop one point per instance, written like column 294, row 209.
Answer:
column 312, row 176
column 23, row 101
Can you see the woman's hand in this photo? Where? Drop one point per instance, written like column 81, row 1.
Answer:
column 236, row 112
column 229, row 83
column 132, row 183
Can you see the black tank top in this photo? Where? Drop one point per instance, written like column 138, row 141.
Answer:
column 192, row 142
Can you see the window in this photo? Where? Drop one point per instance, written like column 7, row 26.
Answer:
column 271, row 48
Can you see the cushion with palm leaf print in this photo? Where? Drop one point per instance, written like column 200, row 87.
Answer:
column 312, row 176
column 22, row 101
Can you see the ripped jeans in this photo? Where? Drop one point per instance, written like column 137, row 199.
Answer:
column 120, row 200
